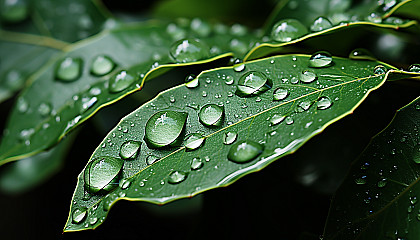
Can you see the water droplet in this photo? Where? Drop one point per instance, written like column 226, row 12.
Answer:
column 323, row 103
column 85, row 103
column 280, row 94
column 191, row 81
column 14, row 11
column 294, row 80
column 229, row 138
column 276, row 119
column 14, row 79
column 194, row 141
column 189, row 50
column 93, row 220
column 102, row 65
column 320, row 24
column 79, row 215
column 253, row 83
column 69, row 69
column 304, row 106
column 307, row 76
column 379, row 69
column 361, row 54
column 102, row 174
column 229, row 80
column 239, row 66
column 129, row 149
column 289, row 120
column 124, row 184
column 320, row 59
column 151, row 159
column 211, row 115
column 245, row 151
column 382, row 183
column 44, row 109
column 287, row 30
column 413, row 200
column 360, row 181
column 414, row 68
column 165, row 128
column 175, row 31
column 177, row 177
column 121, row 81
column 196, row 163
column 374, row 17
column 200, row 27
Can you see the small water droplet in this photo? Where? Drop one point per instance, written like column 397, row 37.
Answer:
column 374, row 17
column 360, row 181
column 189, row 50
column 172, row 99
column 196, row 163
column 320, row 59
column 229, row 80
column 191, row 81
column 44, row 109
column 413, row 200
column 130, row 149
column 321, row 23
column 253, row 83
column 382, row 183
column 287, row 30
column 121, row 81
column 307, row 76
column 289, row 120
column 102, row 65
column 379, row 70
column 239, row 65
column 22, row 105
column 79, row 215
column 165, row 128
column 124, row 184
column 102, row 174
column 229, row 138
column 211, row 115
column 177, row 177
column 361, row 54
column 280, row 94
column 304, row 106
column 68, row 69
column 93, row 220
column 414, row 68
column 276, row 119
column 323, row 103
column 200, row 27
column 194, row 141
column 245, row 151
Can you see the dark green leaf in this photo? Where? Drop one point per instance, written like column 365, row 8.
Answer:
column 239, row 119
column 379, row 198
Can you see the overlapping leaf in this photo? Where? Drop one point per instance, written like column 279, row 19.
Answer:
column 49, row 108
column 257, row 125
column 379, row 198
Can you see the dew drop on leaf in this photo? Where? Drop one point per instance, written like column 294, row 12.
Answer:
column 124, row 184
column 287, row 30
column 121, row 81
column 378, row 70
column 22, row 105
column 239, row 67
column 129, row 149
column 229, row 137
column 14, row 11
column 150, row 159
column 68, row 69
column 245, row 151
column 253, row 83
column 280, row 94
column 321, row 23
column 323, row 103
column 414, row 68
column 360, row 181
column 382, row 183
column 79, row 215
column 289, row 120
column 165, row 128
column 304, row 106
column 191, row 81
column 276, row 119
column 93, row 220
column 211, row 115
column 189, row 50
column 102, row 174
column 194, row 141
column 44, row 109
column 374, row 17
column 361, row 54
column 307, row 76
column 320, row 59
column 200, row 27
column 196, row 163
column 102, row 65
column 177, row 177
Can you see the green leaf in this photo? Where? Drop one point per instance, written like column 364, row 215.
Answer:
column 234, row 123
column 33, row 31
column 58, row 101
column 379, row 197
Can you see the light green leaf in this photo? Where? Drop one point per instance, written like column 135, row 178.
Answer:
column 379, row 197
column 59, row 99
column 236, row 121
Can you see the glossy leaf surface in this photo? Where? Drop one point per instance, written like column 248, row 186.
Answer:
column 241, row 120
column 67, row 92
column 379, row 198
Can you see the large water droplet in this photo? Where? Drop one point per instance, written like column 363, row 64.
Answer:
column 69, row 69
column 320, row 24
column 211, row 115
column 379, row 70
column 129, row 149
column 14, row 11
column 177, row 177
column 323, row 103
column 245, row 151
column 276, row 119
column 196, row 163
column 361, row 54
column 189, row 50
column 191, row 81
column 121, row 81
column 102, row 65
column 414, row 68
column 165, row 128
column 79, row 215
column 253, row 83
column 320, row 59
column 280, row 94
column 307, row 76
column 102, row 174
column 194, row 141
column 229, row 138
column 288, row 30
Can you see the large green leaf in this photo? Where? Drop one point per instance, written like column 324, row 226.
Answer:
column 240, row 133
column 49, row 107
column 379, row 198
column 32, row 31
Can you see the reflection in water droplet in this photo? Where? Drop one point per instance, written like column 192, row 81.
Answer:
column 229, row 138
column 191, row 81
column 289, row 120
column 177, row 177
column 323, row 103
column 130, row 149
column 361, row 54
column 211, row 115
column 102, row 65
column 253, row 83
column 304, row 106
column 14, row 11
column 287, row 30
column 414, row 68
column 276, row 119
column 121, row 81
column 79, row 215
column 194, row 141
column 320, row 24
column 165, row 128
column 151, row 159
column 189, row 50
column 196, row 163
column 280, row 94
column 102, row 174
column 68, row 69
column 379, row 69
column 245, row 151
column 320, row 59
column 307, row 76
